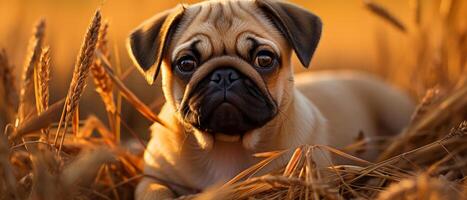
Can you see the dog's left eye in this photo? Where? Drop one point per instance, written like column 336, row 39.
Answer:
column 264, row 59
column 187, row 64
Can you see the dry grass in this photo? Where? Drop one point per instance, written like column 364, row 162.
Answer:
column 428, row 160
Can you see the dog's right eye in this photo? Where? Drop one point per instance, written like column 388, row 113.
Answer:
column 265, row 59
column 187, row 64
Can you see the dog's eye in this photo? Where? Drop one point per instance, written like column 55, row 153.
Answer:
column 187, row 63
column 264, row 59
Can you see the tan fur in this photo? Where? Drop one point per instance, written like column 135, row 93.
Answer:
column 329, row 108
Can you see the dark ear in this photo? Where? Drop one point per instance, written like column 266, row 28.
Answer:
column 301, row 28
column 148, row 43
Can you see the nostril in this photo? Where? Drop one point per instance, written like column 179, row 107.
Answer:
column 225, row 76
column 233, row 76
column 216, row 77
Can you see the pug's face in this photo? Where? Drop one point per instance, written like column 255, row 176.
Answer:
column 226, row 64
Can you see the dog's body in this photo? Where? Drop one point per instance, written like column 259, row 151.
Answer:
column 231, row 93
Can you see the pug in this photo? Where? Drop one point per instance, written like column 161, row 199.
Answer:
column 231, row 92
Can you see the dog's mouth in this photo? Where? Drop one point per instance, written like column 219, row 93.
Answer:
column 226, row 118
column 227, row 104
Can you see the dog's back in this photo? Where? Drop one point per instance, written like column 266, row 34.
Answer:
column 355, row 103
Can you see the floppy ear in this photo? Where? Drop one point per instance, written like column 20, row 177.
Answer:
column 148, row 43
column 301, row 28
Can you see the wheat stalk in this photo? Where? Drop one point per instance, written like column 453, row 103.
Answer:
column 455, row 102
column 130, row 96
column 26, row 107
column 101, row 79
column 41, row 83
column 8, row 86
column 118, row 70
column 42, row 121
column 44, row 79
column 7, row 170
column 78, row 83
column 431, row 97
column 417, row 11
column 420, row 187
column 384, row 14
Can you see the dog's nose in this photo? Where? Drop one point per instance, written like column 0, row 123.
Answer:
column 225, row 76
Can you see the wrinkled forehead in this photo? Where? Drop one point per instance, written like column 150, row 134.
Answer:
column 223, row 23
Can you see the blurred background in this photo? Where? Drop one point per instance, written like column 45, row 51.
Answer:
column 353, row 38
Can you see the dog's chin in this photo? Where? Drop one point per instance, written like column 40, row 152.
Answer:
column 206, row 140
column 228, row 120
column 226, row 123
column 227, row 138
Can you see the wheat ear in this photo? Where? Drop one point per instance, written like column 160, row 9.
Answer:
column 78, row 82
column 26, row 107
